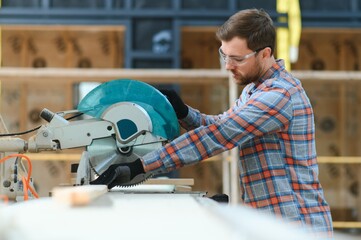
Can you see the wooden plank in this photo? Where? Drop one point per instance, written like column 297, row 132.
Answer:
column 66, row 75
column 342, row 224
column 78, row 195
column 170, row 181
column 338, row 160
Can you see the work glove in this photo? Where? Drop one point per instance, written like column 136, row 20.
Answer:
column 177, row 103
column 122, row 174
column 221, row 198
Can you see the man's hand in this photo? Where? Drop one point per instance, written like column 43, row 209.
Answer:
column 178, row 105
column 122, row 174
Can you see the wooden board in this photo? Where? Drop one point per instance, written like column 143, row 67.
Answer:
column 78, row 195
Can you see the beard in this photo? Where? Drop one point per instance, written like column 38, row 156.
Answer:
column 250, row 77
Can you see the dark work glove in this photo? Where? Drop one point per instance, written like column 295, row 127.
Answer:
column 178, row 105
column 221, row 198
column 122, row 174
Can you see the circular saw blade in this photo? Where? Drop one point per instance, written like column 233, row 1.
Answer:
column 159, row 109
column 104, row 152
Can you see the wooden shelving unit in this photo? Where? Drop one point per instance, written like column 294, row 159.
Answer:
column 328, row 67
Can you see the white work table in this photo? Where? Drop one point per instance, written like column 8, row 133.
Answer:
column 118, row 215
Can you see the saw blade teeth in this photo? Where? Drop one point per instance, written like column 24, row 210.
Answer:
column 134, row 182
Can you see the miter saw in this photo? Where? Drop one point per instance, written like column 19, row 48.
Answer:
column 125, row 119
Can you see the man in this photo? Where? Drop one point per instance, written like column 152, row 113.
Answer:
column 272, row 124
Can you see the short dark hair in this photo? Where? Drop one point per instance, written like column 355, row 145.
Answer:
column 254, row 25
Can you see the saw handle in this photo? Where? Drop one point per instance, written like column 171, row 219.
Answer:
column 46, row 114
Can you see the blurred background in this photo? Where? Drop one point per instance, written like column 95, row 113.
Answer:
column 53, row 52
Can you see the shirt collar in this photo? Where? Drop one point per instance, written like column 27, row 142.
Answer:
column 276, row 67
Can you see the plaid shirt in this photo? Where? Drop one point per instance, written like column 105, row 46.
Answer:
column 272, row 124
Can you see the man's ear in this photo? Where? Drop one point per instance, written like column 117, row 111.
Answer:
column 267, row 52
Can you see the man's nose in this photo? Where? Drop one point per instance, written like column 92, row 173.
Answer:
column 229, row 66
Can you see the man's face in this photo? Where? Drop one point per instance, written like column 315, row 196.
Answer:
column 241, row 61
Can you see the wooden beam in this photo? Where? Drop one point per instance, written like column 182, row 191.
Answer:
column 179, row 76
column 75, row 75
column 327, row 75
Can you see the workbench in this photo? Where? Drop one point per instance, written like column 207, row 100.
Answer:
column 126, row 215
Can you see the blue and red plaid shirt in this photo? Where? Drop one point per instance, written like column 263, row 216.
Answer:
column 272, row 124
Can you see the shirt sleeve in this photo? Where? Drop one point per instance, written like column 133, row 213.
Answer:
column 265, row 112
column 196, row 119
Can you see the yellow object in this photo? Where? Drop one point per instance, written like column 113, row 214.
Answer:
column 288, row 38
column 0, row 44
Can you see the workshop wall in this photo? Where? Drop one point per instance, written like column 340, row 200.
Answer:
column 329, row 49
column 63, row 46
column 199, row 48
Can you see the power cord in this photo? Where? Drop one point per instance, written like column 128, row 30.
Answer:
column 34, row 129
